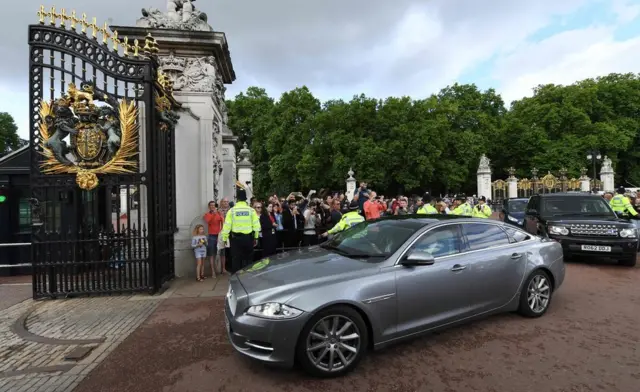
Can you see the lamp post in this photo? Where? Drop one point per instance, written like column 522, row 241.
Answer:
column 594, row 156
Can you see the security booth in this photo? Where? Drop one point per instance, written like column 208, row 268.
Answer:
column 15, row 212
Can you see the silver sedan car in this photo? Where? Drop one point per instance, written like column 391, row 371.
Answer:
column 385, row 280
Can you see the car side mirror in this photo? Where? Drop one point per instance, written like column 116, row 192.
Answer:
column 417, row 257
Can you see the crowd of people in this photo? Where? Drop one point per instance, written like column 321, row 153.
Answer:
column 297, row 220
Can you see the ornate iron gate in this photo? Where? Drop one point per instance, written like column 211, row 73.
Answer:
column 102, row 160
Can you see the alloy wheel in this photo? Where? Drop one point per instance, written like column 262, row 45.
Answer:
column 333, row 343
column 538, row 294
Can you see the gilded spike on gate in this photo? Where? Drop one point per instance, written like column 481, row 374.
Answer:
column 84, row 23
column 41, row 14
column 105, row 33
column 74, row 19
column 52, row 16
column 115, row 42
column 136, row 48
column 125, row 45
column 94, row 28
column 63, row 17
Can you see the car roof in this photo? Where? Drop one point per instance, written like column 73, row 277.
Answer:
column 568, row 194
column 518, row 199
column 416, row 221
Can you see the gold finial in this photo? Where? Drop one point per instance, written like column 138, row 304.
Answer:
column 94, row 28
column 52, row 16
column 84, row 22
column 147, row 44
column 136, row 48
column 105, row 33
column 63, row 17
column 41, row 14
column 74, row 19
column 115, row 42
column 125, row 45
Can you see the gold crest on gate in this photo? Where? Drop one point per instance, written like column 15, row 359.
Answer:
column 89, row 145
column 103, row 139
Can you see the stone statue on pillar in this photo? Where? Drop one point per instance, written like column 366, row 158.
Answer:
column 180, row 15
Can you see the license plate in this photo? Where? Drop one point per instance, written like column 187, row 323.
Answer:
column 226, row 323
column 231, row 300
column 596, row 248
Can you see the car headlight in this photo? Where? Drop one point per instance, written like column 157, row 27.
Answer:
column 629, row 233
column 512, row 219
column 274, row 310
column 559, row 230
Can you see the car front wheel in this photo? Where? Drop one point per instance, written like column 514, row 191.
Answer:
column 332, row 342
column 536, row 295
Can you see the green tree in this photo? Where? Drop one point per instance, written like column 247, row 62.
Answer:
column 9, row 139
column 251, row 119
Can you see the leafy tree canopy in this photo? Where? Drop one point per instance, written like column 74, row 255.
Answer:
column 9, row 139
column 404, row 145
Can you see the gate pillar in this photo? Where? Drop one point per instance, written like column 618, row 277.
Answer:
column 484, row 177
column 607, row 175
column 197, row 60
column 513, row 183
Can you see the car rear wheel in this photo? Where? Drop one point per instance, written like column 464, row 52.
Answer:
column 629, row 261
column 536, row 295
column 333, row 342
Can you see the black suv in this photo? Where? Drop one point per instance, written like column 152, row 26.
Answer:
column 584, row 224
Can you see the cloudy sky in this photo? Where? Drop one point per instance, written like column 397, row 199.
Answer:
column 381, row 47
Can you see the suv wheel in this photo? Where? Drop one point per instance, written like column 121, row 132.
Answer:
column 333, row 342
column 535, row 296
column 630, row 261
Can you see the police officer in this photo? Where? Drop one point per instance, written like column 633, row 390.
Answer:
column 621, row 205
column 482, row 210
column 463, row 208
column 351, row 218
column 243, row 226
column 427, row 207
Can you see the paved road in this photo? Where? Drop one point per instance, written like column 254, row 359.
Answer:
column 588, row 341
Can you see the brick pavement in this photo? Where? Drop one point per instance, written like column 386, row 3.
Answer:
column 36, row 336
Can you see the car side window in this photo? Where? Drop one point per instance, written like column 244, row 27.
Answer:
column 441, row 241
column 482, row 235
column 533, row 204
column 517, row 235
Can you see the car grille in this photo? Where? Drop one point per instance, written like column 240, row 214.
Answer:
column 587, row 230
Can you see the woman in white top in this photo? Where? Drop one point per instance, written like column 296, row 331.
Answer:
column 310, row 236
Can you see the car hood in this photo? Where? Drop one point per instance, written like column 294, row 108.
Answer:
column 310, row 266
column 581, row 220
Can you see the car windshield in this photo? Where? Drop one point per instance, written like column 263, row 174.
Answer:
column 375, row 239
column 517, row 205
column 594, row 206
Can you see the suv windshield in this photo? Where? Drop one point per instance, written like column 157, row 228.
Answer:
column 517, row 205
column 593, row 206
column 370, row 239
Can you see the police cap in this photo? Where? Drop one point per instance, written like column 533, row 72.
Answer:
column 353, row 206
column 621, row 190
column 241, row 195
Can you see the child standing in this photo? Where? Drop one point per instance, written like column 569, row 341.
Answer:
column 199, row 245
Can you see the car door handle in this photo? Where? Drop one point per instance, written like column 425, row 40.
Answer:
column 458, row 267
column 516, row 255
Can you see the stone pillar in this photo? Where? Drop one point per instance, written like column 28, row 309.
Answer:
column 197, row 60
column 484, row 177
column 229, row 171
column 351, row 185
column 245, row 171
column 512, row 184
column 585, row 181
column 607, row 175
